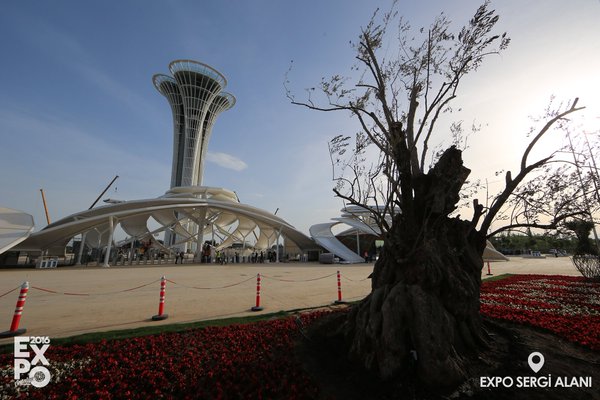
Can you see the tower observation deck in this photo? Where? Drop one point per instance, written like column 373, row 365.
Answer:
column 195, row 94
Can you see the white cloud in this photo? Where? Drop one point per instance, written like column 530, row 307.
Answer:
column 226, row 161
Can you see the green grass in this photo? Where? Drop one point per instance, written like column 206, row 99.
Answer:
column 496, row 277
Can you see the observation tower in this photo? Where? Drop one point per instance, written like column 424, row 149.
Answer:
column 195, row 94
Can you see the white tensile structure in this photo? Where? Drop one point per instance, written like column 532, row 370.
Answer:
column 15, row 226
column 361, row 223
column 225, row 219
column 189, row 214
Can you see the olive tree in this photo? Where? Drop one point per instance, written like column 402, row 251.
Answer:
column 422, row 315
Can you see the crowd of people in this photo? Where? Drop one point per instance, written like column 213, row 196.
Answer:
column 210, row 254
column 257, row 257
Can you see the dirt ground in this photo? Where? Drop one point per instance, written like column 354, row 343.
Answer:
column 199, row 292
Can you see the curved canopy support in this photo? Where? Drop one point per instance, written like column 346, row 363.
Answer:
column 322, row 234
column 136, row 226
column 164, row 211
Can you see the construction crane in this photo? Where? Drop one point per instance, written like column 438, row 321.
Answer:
column 102, row 194
column 45, row 206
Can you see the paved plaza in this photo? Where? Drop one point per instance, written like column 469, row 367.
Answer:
column 72, row 300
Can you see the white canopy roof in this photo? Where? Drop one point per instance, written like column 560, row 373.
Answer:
column 192, row 203
column 15, row 226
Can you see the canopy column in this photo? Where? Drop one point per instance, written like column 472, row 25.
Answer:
column 277, row 250
column 81, row 246
column 111, row 229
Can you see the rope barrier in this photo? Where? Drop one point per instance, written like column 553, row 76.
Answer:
column 139, row 287
column 9, row 292
column 55, row 292
column 92, row 294
column 185, row 286
column 14, row 330
column 299, row 280
column 209, row 288
column 354, row 280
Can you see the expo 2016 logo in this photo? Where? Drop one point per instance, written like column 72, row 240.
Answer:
column 36, row 372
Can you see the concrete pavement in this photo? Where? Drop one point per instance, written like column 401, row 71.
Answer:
column 194, row 293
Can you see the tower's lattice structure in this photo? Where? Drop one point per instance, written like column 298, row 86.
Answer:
column 195, row 94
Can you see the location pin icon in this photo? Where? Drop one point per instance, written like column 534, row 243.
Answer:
column 535, row 366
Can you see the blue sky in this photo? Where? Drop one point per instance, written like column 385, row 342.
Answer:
column 77, row 104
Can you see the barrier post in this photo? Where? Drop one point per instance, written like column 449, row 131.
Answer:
column 14, row 326
column 489, row 270
column 257, row 307
column 161, row 304
column 339, row 290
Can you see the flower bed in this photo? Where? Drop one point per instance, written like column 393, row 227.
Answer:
column 567, row 306
column 237, row 361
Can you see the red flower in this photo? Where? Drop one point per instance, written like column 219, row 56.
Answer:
column 567, row 306
column 237, row 361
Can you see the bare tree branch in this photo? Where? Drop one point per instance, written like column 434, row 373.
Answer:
column 552, row 225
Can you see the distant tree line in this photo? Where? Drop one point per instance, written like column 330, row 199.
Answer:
column 521, row 244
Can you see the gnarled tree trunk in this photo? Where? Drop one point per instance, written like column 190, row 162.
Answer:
column 423, row 312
